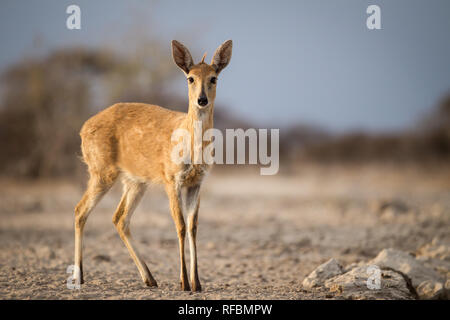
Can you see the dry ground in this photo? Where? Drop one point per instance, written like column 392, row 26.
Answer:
column 258, row 237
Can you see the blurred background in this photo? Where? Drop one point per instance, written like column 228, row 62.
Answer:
column 337, row 91
column 364, row 119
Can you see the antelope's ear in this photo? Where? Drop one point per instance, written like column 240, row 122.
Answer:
column 222, row 56
column 182, row 56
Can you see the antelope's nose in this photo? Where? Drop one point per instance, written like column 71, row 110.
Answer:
column 202, row 101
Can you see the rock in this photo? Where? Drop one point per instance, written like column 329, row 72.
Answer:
column 441, row 266
column 393, row 274
column 395, row 205
column 305, row 242
column 407, row 264
column 353, row 265
column 447, row 289
column 102, row 258
column 354, row 285
column 431, row 290
column 389, row 210
column 325, row 271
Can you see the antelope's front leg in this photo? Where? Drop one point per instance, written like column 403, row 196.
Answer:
column 192, row 205
column 174, row 194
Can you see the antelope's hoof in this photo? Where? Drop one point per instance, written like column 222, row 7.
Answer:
column 185, row 286
column 196, row 287
column 75, row 278
column 150, row 283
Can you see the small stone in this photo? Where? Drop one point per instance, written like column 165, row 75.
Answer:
column 325, row 271
column 305, row 242
column 430, row 290
column 395, row 205
column 102, row 258
column 389, row 210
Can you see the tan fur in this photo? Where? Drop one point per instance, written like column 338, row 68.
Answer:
column 133, row 140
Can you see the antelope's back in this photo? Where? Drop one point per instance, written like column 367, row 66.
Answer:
column 134, row 137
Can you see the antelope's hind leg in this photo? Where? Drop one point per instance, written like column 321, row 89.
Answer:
column 132, row 194
column 97, row 187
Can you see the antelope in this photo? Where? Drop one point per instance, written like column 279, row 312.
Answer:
column 132, row 141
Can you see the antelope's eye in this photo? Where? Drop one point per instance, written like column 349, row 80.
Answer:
column 191, row 80
column 213, row 80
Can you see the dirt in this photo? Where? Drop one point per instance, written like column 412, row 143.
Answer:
column 258, row 237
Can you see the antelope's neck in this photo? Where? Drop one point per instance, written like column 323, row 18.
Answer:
column 196, row 116
column 197, row 122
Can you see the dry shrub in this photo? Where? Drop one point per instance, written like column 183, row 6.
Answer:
column 46, row 100
column 428, row 142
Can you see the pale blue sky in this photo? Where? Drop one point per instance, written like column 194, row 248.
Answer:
column 312, row 62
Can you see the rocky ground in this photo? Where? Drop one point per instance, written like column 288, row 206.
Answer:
column 308, row 233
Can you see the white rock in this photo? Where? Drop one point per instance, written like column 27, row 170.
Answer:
column 447, row 289
column 431, row 290
column 406, row 263
column 325, row 271
column 353, row 285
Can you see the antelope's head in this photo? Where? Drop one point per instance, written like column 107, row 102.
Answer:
column 202, row 77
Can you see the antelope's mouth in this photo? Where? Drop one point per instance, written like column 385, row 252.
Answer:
column 203, row 107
